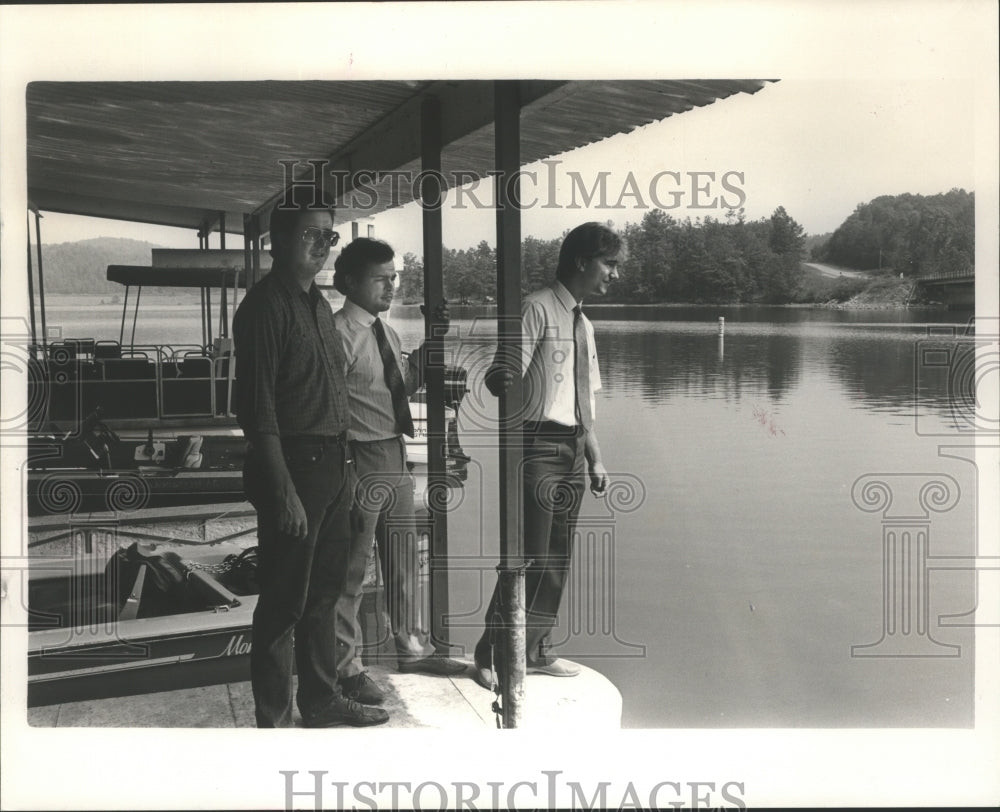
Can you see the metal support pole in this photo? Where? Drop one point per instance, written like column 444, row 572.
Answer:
column 135, row 316
column 247, row 252
column 431, row 194
column 31, row 292
column 223, row 305
column 508, row 162
column 121, row 332
column 224, row 290
column 204, row 332
column 255, row 252
column 41, row 280
column 208, row 313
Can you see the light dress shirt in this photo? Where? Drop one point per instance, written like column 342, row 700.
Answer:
column 372, row 416
column 547, row 357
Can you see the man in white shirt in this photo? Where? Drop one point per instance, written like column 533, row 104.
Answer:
column 378, row 386
column 560, row 374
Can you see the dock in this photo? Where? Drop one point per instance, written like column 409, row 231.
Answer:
column 588, row 702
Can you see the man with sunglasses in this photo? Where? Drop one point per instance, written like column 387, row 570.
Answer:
column 379, row 383
column 292, row 406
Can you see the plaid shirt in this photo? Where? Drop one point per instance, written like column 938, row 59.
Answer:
column 289, row 362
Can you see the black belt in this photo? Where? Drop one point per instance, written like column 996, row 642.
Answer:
column 549, row 427
column 309, row 439
column 336, row 439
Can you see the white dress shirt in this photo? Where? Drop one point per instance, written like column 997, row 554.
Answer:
column 372, row 416
column 547, row 356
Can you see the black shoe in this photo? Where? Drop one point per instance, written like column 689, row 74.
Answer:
column 439, row 666
column 344, row 711
column 362, row 688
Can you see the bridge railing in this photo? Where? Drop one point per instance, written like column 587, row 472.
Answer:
column 969, row 273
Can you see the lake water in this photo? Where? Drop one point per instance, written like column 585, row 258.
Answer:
column 736, row 572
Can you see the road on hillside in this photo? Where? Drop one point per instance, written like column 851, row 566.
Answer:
column 829, row 270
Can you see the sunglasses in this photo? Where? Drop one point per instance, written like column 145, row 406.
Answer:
column 319, row 236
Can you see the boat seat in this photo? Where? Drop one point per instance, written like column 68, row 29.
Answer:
column 82, row 346
column 195, row 366
column 128, row 369
column 107, row 349
column 169, row 586
column 214, row 593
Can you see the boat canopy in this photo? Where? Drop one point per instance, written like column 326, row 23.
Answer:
column 144, row 275
column 204, row 154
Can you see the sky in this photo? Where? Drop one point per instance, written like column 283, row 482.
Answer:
column 816, row 147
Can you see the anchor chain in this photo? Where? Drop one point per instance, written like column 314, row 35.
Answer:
column 228, row 564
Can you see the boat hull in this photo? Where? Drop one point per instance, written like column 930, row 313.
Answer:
column 141, row 664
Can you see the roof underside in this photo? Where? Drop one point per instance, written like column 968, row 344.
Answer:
column 181, row 153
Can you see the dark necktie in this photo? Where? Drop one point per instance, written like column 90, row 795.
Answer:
column 581, row 377
column 393, row 380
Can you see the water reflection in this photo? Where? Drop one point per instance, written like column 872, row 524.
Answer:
column 748, row 572
column 658, row 363
column 877, row 364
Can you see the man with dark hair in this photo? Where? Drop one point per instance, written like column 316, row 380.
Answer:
column 560, row 373
column 378, row 386
column 292, row 406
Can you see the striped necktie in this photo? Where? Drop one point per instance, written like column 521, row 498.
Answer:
column 581, row 376
column 393, row 380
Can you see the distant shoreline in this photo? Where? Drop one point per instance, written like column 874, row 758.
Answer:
column 64, row 302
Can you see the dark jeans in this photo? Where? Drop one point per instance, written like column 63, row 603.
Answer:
column 554, row 481
column 300, row 580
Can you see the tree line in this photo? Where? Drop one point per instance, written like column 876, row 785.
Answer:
column 736, row 260
column 667, row 260
column 915, row 235
column 82, row 266
column 710, row 260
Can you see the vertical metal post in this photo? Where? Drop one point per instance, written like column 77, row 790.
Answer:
column 121, row 332
column 204, row 338
column 41, row 280
column 135, row 316
column 224, row 289
column 431, row 195
column 206, row 292
column 223, row 305
column 247, row 252
column 208, row 313
column 255, row 250
column 31, row 292
column 508, row 162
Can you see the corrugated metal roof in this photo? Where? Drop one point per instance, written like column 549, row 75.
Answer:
column 178, row 153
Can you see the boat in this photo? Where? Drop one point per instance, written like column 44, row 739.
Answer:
column 151, row 617
column 123, row 426
column 155, row 616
